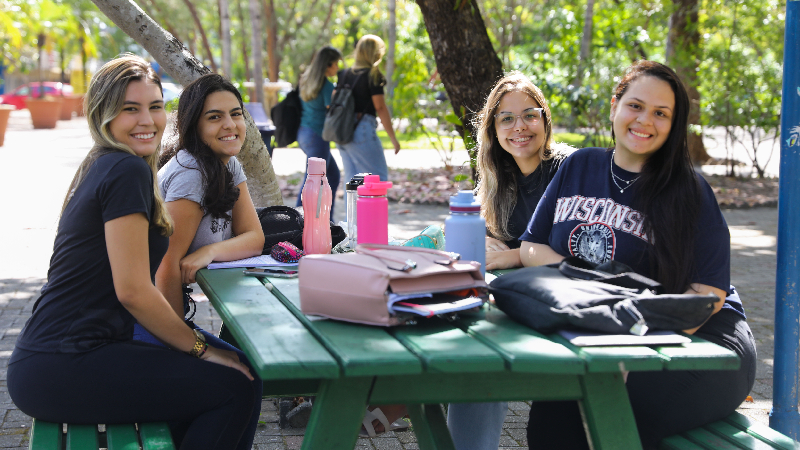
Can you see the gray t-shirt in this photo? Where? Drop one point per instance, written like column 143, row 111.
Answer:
column 180, row 178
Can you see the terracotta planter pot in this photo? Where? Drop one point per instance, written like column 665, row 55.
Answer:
column 79, row 104
column 5, row 111
column 68, row 106
column 44, row 111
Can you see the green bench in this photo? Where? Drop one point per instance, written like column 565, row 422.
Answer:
column 56, row 436
column 733, row 432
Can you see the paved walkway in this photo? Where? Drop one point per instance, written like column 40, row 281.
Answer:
column 38, row 166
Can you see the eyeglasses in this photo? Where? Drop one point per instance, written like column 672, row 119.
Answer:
column 507, row 120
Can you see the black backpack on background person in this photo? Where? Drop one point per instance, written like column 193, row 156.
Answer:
column 341, row 120
column 286, row 117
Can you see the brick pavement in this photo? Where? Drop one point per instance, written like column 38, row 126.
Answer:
column 38, row 166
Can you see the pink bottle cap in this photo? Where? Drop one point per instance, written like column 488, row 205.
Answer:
column 373, row 185
column 316, row 166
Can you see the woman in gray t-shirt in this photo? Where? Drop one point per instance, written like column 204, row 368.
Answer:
column 205, row 193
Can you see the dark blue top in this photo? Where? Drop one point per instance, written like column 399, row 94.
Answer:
column 78, row 309
column 314, row 111
column 583, row 213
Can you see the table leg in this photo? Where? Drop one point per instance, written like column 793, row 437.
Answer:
column 337, row 414
column 607, row 412
column 430, row 427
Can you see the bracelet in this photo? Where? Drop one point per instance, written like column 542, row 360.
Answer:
column 200, row 345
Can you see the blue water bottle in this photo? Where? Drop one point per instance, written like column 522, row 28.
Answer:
column 465, row 229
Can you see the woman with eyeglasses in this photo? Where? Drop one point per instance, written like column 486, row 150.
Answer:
column 641, row 203
column 516, row 160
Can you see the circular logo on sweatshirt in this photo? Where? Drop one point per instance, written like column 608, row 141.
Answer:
column 593, row 242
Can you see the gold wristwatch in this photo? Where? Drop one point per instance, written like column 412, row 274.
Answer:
column 200, row 345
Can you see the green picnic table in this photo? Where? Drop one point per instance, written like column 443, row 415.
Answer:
column 482, row 357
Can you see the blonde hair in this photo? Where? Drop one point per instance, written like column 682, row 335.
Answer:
column 497, row 186
column 104, row 101
column 314, row 76
column 369, row 51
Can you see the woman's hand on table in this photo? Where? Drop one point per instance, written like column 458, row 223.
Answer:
column 193, row 262
column 495, row 245
column 226, row 358
column 507, row 259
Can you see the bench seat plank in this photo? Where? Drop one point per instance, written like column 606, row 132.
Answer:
column 523, row 349
column 679, row 442
column 45, row 435
column 362, row 350
column 122, row 437
column 292, row 351
column 82, row 437
column 739, row 437
column 709, row 440
column 763, row 432
column 155, row 436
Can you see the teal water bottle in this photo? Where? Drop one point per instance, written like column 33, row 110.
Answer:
column 465, row 229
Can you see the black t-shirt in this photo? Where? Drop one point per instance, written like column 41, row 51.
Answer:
column 530, row 189
column 583, row 213
column 363, row 89
column 78, row 309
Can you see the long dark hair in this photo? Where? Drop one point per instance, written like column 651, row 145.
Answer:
column 220, row 192
column 668, row 193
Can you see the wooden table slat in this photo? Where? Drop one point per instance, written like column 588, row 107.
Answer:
column 614, row 359
column 278, row 344
column 699, row 355
column 361, row 350
column 442, row 347
column 523, row 349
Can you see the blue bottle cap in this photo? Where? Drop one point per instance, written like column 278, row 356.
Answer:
column 464, row 202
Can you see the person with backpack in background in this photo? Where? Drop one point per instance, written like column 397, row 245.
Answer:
column 315, row 94
column 364, row 153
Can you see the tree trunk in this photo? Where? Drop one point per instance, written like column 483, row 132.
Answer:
column 203, row 37
column 243, row 37
column 465, row 58
column 586, row 44
column 225, row 37
column 272, row 41
column 184, row 68
column 392, row 34
column 255, row 45
column 683, row 47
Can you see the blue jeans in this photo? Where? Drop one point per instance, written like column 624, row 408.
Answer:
column 365, row 152
column 476, row 426
column 246, row 442
column 314, row 146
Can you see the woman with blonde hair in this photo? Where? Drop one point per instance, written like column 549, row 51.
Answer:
column 365, row 152
column 112, row 234
column 516, row 160
column 315, row 95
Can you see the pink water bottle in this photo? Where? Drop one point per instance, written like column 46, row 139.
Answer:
column 316, row 209
column 373, row 211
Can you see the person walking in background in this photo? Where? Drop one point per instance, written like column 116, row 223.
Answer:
column 641, row 203
column 365, row 152
column 75, row 360
column 316, row 92
column 205, row 193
